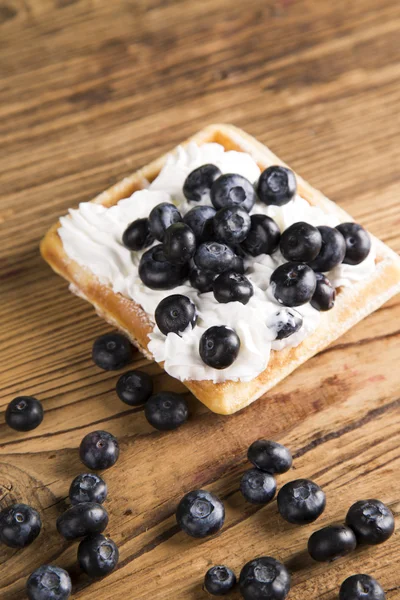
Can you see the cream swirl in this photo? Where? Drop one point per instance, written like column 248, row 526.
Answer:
column 92, row 236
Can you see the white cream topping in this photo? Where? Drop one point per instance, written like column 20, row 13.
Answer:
column 92, row 236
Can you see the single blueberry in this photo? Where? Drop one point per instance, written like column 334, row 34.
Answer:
column 134, row 387
column 137, row 235
column 232, row 287
column 284, row 322
column 99, row 450
column 358, row 242
column 214, row 257
column 219, row 580
column 264, row 578
column 88, row 487
column 202, row 280
column 277, row 185
column 233, row 190
column 179, row 243
column 24, row 413
column 112, row 351
column 361, row 587
column 161, row 217
column 371, row 520
column 166, row 411
column 49, row 583
column 158, row 273
column 200, row 221
column 174, row 314
column 219, row 346
column 200, row 513
column 270, row 456
column 293, row 284
column 332, row 542
column 324, row 295
column 231, row 225
column 263, row 237
column 97, row 555
column 301, row 502
column 258, row 487
column 199, row 182
column 301, row 242
column 20, row 525
column 81, row 520
column 333, row 250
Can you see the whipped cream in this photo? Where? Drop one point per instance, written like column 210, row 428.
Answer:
column 92, row 236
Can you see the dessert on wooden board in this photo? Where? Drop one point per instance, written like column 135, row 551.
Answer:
column 223, row 265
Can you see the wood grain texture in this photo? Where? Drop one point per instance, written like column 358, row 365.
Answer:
column 91, row 90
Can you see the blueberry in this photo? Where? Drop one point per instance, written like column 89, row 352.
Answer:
column 231, row 225
column 257, row 486
column 24, row 413
column 200, row 513
column 284, row 322
column 233, row 190
column 293, row 284
column 137, row 235
column 97, row 555
column 264, row 579
column 158, row 273
column 134, row 387
column 112, row 351
column 232, row 287
column 333, row 250
column 161, row 217
column 324, row 295
column 277, row 185
column 202, row 280
column 361, row 587
column 166, row 411
column 20, row 525
column 214, row 257
column 357, row 240
column 99, row 450
column 332, row 542
column 49, row 583
column 237, row 265
column 200, row 221
column 219, row 580
column 199, row 182
column 88, row 487
column 371, row 520
column 270, row 456
column 301, row 501
column 81, row 520
column 179, row 243
column 174, row 314
column 219, row 346
column 301, row 242
column 263, row 237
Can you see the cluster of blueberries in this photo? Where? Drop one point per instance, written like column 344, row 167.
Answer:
column 208, row 246
column 201, row 513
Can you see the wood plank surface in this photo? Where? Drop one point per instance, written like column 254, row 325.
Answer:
column 90, row 90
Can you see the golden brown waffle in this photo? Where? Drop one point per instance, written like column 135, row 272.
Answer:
column 352, row 303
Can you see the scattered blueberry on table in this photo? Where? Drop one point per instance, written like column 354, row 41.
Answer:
column 331, row 542
column 264, row 578
column 361, row 587
column 301, row 501
column 371, row 520
column 200, row 513
column 112, row 351
column 88, row 487
column 24, row 413
column 81, row 520
column 99, row 450
column 166, row 411
column 134, row 387
column 257, row 487
column 20, row 525
column 97, row 555
column 219, row 580
column 49, row 583
column 270, row 456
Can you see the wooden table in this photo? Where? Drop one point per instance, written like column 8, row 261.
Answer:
column 90, row 90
